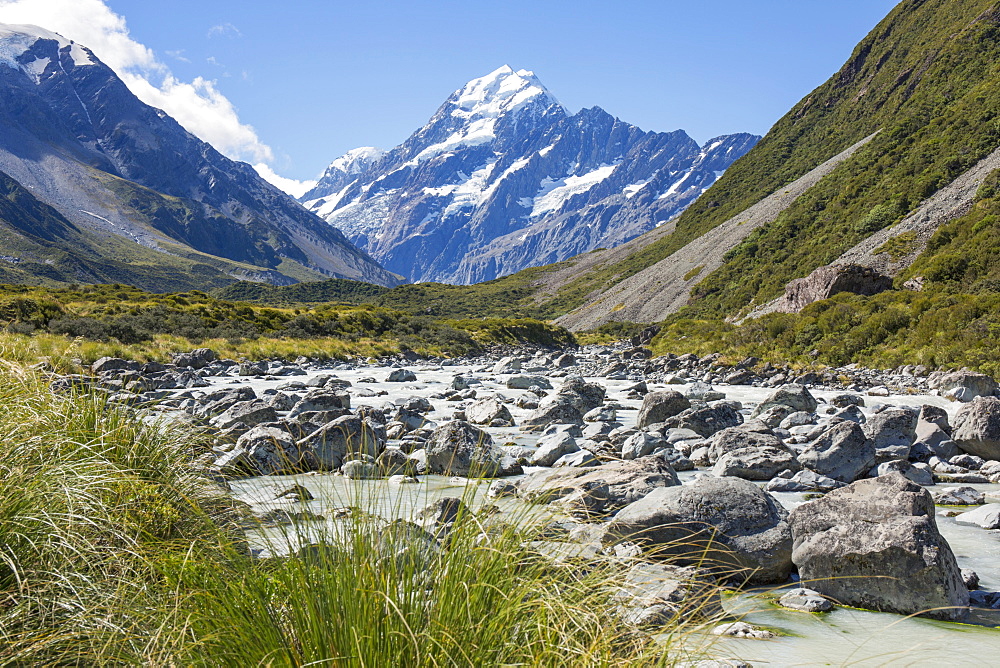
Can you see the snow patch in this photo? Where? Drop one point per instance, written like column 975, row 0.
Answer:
column 16, row 39
column 632, row 189
column 554, row 193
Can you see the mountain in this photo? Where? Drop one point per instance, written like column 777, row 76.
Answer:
column 103, row 188
column 888, row 164
column 503, row 177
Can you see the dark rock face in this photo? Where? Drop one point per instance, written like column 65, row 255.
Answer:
column 70, row 130
column 875, row 544
column 731, row 524
column 827, row 281
column 502, row 178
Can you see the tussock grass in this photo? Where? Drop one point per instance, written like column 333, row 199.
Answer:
column 115, row 551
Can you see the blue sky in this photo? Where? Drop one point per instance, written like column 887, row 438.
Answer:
column 313, row 79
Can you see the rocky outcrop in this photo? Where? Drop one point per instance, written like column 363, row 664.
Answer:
column 828, row 281
column 874, row 544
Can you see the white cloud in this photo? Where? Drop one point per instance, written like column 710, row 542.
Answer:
column 226, row 29
column 294, row 188
column 197, row 105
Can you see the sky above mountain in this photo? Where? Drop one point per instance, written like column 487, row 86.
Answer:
column 293, row 85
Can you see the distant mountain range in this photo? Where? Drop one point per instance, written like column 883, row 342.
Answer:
column 98, row 187
column 503, row 178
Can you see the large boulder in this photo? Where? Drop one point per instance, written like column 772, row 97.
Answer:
column 321, row 401
column 962, row 385
column 829, row 280
column 658, row 406
column 552, row 412
column 893, row 428
column 196, row 359
column 842, row 452
column 729, row 524
column 331, row 444
column 489, row 411
column 272, row 450
column 582, row 395
column 598, row 490
column 250, row 413
column 739, row 438
column 401, row 376
column 761, row 463
column 796, row 397
column 977, row 428
column 552, row 447
column 458, row 448
column 874, row 544
column 706, row 420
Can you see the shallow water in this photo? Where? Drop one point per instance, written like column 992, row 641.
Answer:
column 843, row 637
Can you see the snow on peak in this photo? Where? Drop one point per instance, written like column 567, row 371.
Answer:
column 500, row 92
column 16, row 39
column 479, row 104
column 356, row 160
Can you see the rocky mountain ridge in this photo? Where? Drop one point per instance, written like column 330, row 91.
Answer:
column 147, row 202
column 503, row 177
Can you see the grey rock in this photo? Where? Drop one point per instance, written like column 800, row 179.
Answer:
column 553, row 447
column 730, row 523
column 250, row 413
column 796, row 397
column 653, row 595
column 760, row 463
column 978, row 427
column 507, row 365
column 401, row 376
column 489, row 411
column 526, row 382
column 706, row 420
column 875, row 544
column 740, row 438
column 360, row 469
column 272, row 450
column 843, row 453
column 552, row 412
column 321, row 401
column 829, row 280
column 580, row 458
column 963, row 386
column 892, row 427
column 806, row 600
column 459, row 448
column 641, row 444
column 582, row 395
column 959, row 496
column 987, row 516
column 659, row 406
column 332, row 443
column 803, row 481
column 595, row 491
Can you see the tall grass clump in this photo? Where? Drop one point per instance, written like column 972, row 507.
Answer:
column 116, row 550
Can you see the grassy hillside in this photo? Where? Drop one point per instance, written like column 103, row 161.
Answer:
column 926, row 76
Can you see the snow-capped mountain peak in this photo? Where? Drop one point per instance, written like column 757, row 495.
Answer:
column 502, row 177
column 354, row 161
column 502, row 91
column 17, row 41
